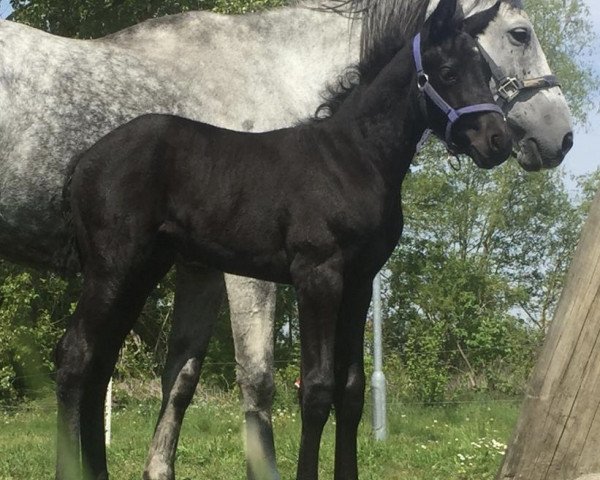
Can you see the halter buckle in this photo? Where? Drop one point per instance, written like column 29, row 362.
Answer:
column 422, row 80
column 509, row 89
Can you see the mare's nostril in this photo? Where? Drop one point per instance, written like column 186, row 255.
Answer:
column 567, row 144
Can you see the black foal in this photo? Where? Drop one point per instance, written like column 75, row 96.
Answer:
column 317, row 206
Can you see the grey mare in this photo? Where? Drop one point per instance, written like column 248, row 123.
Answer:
column 253, row 72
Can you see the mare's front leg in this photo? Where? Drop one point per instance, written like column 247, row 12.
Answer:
column 350, row 375
column 319, row 289
column 252, row 308
column 198, row 295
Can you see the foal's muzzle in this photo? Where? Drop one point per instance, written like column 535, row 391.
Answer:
column 485, row 138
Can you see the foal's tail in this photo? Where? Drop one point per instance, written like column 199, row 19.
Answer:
column 71, row 258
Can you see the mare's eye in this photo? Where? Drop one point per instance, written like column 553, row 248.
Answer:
column 520, row 36
column 448, row 75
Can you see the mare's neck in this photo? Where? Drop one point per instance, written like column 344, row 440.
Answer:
column 389, row 116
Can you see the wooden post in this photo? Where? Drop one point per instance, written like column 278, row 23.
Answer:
column 558, row 433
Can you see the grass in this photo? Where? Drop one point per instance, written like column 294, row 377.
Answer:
column 451, row 442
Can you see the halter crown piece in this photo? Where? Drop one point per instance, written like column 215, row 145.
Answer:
column 451, row 113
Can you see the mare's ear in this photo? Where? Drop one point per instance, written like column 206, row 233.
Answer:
column 442, row 22
column 476, row 24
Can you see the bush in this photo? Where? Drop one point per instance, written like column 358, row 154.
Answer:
column 33, row 312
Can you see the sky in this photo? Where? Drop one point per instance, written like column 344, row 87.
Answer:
column 585, row 156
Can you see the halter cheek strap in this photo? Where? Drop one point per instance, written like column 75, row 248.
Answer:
column 451, row 113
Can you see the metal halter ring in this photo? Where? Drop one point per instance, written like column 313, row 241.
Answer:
column 509, row 89
column 422, row 80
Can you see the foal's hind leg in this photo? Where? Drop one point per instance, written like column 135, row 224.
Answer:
column 77, row 378
column 128, row 302
column 113, row 294
column 86, row 355
column 198, row 295
column 252, row 306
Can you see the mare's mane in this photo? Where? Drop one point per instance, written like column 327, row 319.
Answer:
column 385, row 26
column 384, row 18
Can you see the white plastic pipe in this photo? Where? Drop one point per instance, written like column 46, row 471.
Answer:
column 108, row 413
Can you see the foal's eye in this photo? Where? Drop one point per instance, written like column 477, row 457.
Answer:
column 520, row 35
column 448, row 75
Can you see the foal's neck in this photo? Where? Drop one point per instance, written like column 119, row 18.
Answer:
column 388, row 113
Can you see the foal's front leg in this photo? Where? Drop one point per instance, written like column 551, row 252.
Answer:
column 318, row 288
column 350, row 375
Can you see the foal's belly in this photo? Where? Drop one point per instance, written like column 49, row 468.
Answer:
column 256, row 255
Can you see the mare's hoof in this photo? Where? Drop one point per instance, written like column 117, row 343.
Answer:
column 158, row 472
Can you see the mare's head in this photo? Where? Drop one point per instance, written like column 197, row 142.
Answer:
column 453, row 65
column 538, row 115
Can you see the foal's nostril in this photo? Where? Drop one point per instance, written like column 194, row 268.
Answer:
column 567, row 144
column 496, row 142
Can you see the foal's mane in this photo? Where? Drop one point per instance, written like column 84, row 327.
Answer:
column 385, row 24
column 356, row 76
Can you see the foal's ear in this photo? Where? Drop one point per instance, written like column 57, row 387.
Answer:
column 476, row 24
column 442, row 22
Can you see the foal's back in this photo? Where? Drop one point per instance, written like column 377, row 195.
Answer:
column 233, row 200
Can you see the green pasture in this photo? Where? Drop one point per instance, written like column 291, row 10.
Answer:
column 461, row 441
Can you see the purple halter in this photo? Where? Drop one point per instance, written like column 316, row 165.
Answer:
column 428, row 90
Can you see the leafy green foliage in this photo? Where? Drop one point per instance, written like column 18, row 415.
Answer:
column 96, row 18
column 567, row 37
column 33, row 313
column 474, row 282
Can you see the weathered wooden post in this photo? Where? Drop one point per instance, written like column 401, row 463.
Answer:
column 558, row 433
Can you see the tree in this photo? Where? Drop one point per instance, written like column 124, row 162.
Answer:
column 483, row 257
column 96, row 18
column 567, row 36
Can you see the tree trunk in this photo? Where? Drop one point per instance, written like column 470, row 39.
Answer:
column 558, row 433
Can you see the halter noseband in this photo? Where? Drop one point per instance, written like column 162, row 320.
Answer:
column 509, row 88
column 451, row 113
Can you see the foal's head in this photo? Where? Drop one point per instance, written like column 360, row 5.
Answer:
column 457, row 71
